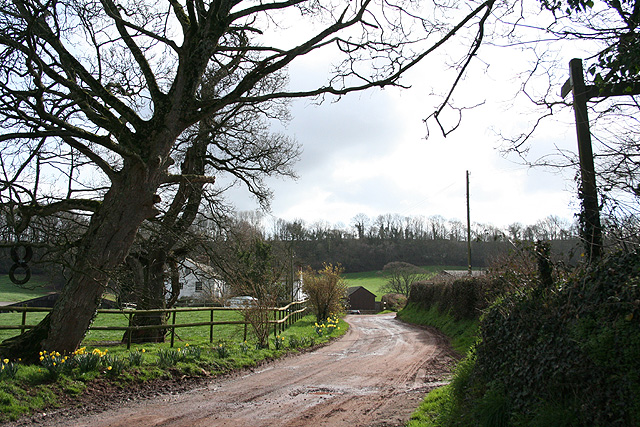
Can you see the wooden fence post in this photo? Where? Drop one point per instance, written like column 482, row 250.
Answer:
column 211, row 328
column 275, row 324
column 173, row 329
column 129, row 331
column 24, row 321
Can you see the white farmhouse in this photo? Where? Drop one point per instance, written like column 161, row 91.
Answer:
column 298, row 294
column 199, row 280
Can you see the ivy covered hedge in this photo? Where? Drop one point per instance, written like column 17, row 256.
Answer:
column 561, row 354
column 461, row 298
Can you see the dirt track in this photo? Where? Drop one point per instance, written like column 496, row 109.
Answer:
column 374, row 376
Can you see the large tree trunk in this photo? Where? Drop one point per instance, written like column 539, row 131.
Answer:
column 110, row 235
column 151, row 291
column 151, row 295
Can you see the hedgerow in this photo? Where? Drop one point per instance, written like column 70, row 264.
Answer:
column 560, row 354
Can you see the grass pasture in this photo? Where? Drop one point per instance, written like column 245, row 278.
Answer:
column 195, row 335
column 10, row 292
column 374, row 281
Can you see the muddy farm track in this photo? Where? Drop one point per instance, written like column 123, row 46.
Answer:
column 375, row 375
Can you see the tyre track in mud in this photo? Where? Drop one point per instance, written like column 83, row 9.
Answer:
column 375, row 375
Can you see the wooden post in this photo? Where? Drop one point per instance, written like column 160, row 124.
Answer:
column 129, row 331
column 173, row 329
column 211, row 328
column 275, row 325
column 468, row 227
column 24, row 321
column 592, row 230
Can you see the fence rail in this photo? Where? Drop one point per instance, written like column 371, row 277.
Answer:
column 282, row 318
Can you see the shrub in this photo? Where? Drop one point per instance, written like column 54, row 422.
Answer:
column 394, row 302
column 462, row 298
column 326, row 290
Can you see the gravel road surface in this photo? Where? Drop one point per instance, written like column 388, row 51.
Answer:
column 375, row 375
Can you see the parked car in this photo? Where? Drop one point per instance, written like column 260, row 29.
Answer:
column 241, row 302
column 354, row 311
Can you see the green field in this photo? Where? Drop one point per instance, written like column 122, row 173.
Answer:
column 14, row 293
column 374, row 281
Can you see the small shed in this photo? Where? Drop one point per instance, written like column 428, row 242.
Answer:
column 360, row 298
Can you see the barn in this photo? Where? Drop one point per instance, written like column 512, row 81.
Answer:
column 359, row 298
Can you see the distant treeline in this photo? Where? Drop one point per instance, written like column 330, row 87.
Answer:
column 367, row 244
column 358, row 255
column 370, row 243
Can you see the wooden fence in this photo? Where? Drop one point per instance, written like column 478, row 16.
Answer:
column 282, row 318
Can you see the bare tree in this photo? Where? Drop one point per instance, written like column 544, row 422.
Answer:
column 361, row 223
column 401, row 275
column 608, row 33
column 95, row 94
column 250, row 266
column 233, row 142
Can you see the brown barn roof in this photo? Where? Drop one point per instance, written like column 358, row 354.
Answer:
column 352, row 289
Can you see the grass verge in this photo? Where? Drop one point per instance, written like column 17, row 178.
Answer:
column 462, row 332
column 25, row 389
column 434, row 411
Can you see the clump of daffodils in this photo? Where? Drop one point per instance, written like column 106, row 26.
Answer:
column 88, row 361
column 55, row 363
column 8, row 369
column 136, row 358
column 327, row 327
column 279, row 342
column 223, row 350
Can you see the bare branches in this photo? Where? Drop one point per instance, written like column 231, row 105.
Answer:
column 472, row 53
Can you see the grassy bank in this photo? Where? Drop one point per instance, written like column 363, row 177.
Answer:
column 461, row 332
column 9, row 292
column 437, row 403
column 25, row 389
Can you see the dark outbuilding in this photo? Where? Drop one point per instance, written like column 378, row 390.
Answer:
column 359, row 298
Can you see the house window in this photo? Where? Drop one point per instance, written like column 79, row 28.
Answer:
column 198, row 286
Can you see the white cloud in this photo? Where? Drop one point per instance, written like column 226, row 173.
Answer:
column 368, row 154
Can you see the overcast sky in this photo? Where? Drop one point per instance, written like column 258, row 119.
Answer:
column 368, row 153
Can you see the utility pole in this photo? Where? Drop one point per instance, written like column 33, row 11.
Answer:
column 468, row 227
column 590, row 215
